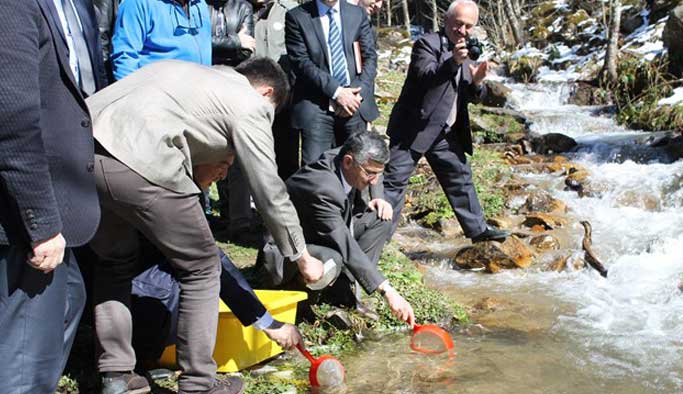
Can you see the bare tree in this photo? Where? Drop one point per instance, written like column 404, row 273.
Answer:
column 435, row 16
column 406, row 16
column 388, row 2
column 517, row 8
column 609, row 69
column 513, row 20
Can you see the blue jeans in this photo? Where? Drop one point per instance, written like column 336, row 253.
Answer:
column 39, row 315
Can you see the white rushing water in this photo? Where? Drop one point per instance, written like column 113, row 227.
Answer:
column 631, row 323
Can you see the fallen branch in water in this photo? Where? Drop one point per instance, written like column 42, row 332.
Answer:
column 589, row 256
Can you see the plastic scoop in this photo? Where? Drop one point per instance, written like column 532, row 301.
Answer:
column 431, row 339
column 329, row 273
column 326, row 371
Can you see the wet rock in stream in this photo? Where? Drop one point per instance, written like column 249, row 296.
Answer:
column 544, row 220
column 542, row 201
column 544, row 243
column 494, row 256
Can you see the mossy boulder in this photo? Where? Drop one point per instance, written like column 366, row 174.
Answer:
column 525, row 68
column 497, row 94
column 494, row 125
column 661, row 8
column 544, row 9
column 671, row 36
column 587, row 93
column 631, row 19
column 553, row 143
column 578, row 17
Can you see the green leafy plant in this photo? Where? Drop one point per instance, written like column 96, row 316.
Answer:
column 638, row 89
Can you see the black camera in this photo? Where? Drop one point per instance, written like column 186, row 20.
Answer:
column 474, row 47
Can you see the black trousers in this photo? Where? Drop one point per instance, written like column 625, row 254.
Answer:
column 39, row 315
column 369, row 231
column 327, row 132
column 449, row 163
column 286, row 145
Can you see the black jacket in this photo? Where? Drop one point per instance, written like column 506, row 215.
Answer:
column 307, row 51
column 228, row 17
column 318, row 195
column 426, row 99
column 105, row 11
column 46, row 143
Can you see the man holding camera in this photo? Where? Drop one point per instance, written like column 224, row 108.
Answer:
column 430, row 118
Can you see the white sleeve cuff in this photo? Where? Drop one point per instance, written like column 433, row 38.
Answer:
column 263, row 322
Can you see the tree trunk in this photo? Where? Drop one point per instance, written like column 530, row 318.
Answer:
column 435, row 16
column 388, row 2
column 517, row 8
column 406, row 16
column 500, row 18
column 514, row 23
column 610, row 66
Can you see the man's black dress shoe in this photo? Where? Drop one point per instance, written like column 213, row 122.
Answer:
column 491, row 234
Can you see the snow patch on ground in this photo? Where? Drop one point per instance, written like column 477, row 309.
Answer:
column 675, row 99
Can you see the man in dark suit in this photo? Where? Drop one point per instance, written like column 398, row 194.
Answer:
column 339, row 200
column 48, row 201
column 332, row 95
column 431, row 119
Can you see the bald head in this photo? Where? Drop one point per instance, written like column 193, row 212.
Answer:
column 461, row 17
column 459, row 4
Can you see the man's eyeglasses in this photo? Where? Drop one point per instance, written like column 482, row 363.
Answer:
column 367, row 173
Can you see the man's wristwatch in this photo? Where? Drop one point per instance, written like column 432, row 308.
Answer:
column 383, row 291
column 275, row 325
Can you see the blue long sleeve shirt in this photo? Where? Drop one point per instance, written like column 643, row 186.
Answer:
column 151, row 30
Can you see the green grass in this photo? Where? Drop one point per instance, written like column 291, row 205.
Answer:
column 488, row 171
column 428, row 204
column 639, row 87
column 391, row 82
column 430, row 306
column 242, row 256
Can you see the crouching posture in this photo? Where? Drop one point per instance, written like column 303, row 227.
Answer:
column 164, row 133
column 345, row 219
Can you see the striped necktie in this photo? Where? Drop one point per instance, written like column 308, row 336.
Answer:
column 86, row 79
column 334, row 41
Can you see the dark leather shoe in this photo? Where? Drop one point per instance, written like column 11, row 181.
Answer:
column 491, row 234
column 124, row 383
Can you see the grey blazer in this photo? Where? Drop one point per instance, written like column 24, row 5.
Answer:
column 172, row 115
column 324, row 210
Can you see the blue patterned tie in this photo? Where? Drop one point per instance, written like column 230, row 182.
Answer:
column 334, row 41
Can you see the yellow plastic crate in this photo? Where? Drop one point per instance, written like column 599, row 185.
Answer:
column 239, row 347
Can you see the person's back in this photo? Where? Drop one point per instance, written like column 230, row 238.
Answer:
column 159, row 103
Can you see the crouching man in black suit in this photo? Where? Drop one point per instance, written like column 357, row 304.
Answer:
column 339, row 200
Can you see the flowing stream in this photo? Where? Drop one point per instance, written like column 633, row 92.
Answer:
column 573, row 331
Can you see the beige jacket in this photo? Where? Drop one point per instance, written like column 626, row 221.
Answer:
column 172, row 115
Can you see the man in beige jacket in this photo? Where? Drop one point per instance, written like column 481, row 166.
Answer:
column 162, row 134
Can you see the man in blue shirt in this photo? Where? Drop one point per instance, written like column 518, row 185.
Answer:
column 150, row 30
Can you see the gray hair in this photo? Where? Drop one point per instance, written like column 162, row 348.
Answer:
column 366, row 146
column 451, row 8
